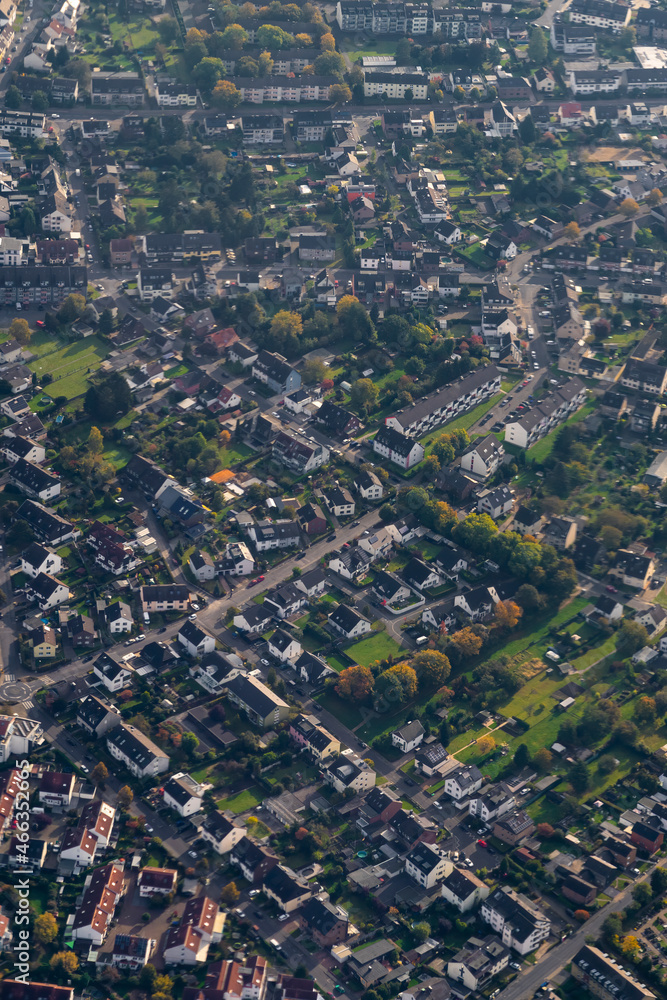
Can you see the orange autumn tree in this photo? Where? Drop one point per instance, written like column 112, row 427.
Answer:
column 355, row 683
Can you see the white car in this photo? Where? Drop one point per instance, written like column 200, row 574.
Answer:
column 140, row 637
column 437, row 805
column 283, row 916
column 192, row 618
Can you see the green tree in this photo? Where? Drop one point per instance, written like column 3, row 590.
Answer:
column 522, row 756
column 20, row 331
column 207, row 73
column 432, row 667
column 422, row 931
column 543, row 759
column 226, row 95
column 167, row 29
column 106, row 321
column 233, row 37
column 642, row 894
column 659, row 881
column 108, row 398
column 72, row 308
column 313, row 371
column 27, row 221
column 527, row 130
column 189, row 743
column 630, row 637
column 354, row 320
column 39, row 101
column 579, row 778
column 271, row 37
column 13, row 98
column 537, row 46
column 364, row 395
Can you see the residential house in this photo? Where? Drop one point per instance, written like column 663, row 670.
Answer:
column 153, row 882
column 220, row 832
column 38, row 559
column 476, row 964
column 96, row 716
column 349, row 772
column 463, row 890
column 432, row 759
column 349, row 622
column 308, row 732
column 408, row 736
column 514, row 827
column 34, row 481
column 326, row 923
column 253, row 860
column 286, row 889
column 283, row 646
column 262, row 707
column 462, row 783
column 397, row 447
column 521, row 925
column 183, row 794
column 195, row 640
column 133, row 749
column 114, row 675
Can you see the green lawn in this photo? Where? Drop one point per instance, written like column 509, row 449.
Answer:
column 242, row 801
column 465, row 421
column 608, row 646
column 71, row 366
column 336, row 662
column 540, row 451
column 375, row 647
column 235, row 452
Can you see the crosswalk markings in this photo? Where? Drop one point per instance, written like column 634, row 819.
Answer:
column 9, row 678
column 28, row 704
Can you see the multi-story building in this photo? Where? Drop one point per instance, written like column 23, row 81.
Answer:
column 519, row 923
column 597, row 81
column 447, row 403
column 176, row 95
column 549, row 413
column 299, row 453
column 644, row 376
column 286, row 89
column 133, row 749
column 600, row 14
column 395, row 86
column 31, row 285
column 117, row 88
column 262, row 129
column 163, row 248
column 25, row 124
column 605, row 978
column 385, row 18
column 399, row 448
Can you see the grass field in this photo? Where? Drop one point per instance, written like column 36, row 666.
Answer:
column 466, row 420
column 236, row 452
column 376, row 647
column 71, row 366
column 540, row 451
column 336, row 662
column 247, row 799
